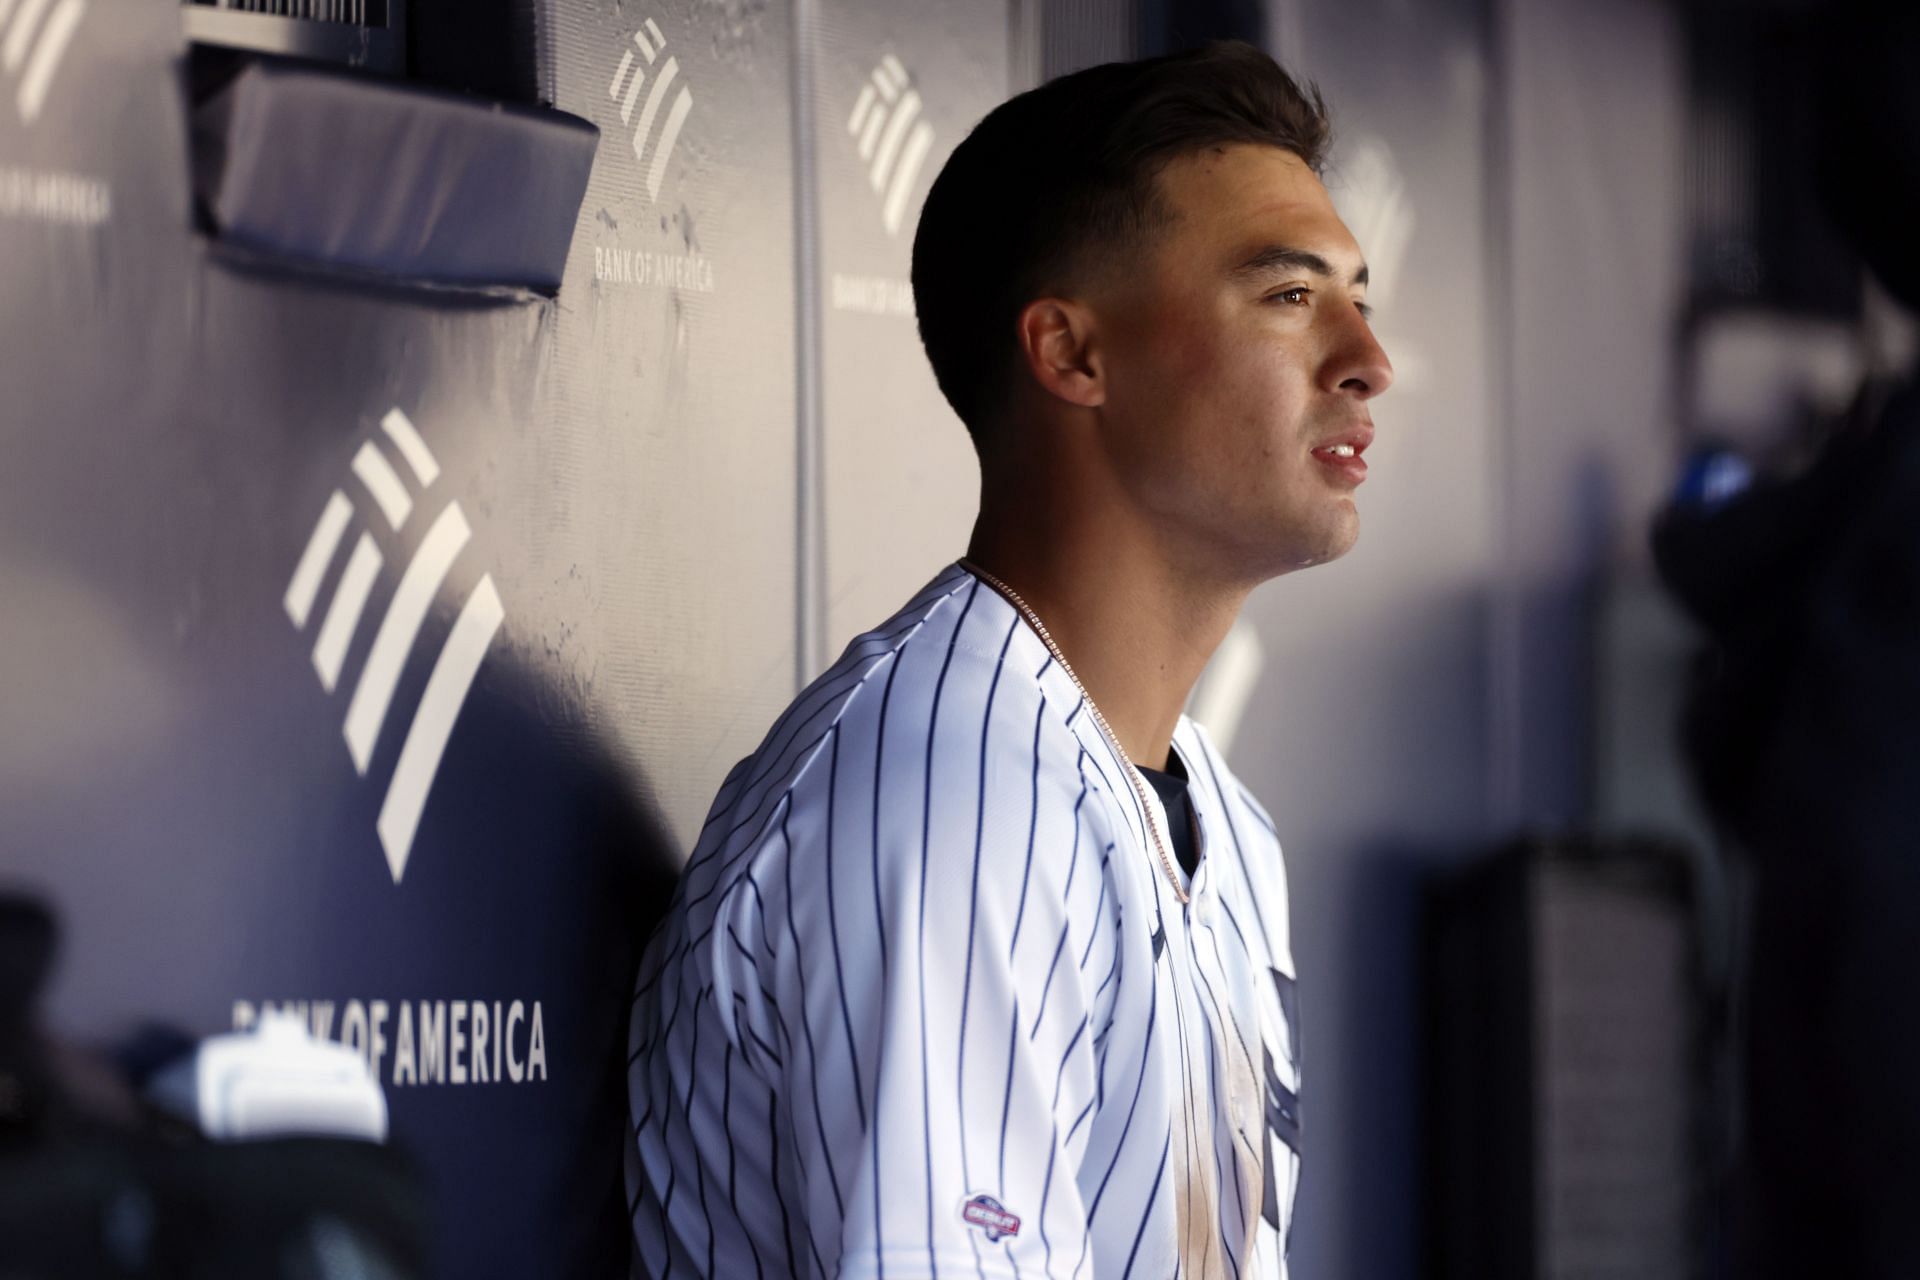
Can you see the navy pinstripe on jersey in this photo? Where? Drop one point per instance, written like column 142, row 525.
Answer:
column 925, row 1005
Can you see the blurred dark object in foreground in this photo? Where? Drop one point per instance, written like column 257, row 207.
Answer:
column 1804, row 732
column 1758, row 235
column 94, row 1185
column 1868, row 155
column 288, row 1209
column 1804, row 148
column 1803, row 729
column 1566, row 1055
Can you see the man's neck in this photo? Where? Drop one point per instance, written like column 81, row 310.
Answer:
column 1136, row 628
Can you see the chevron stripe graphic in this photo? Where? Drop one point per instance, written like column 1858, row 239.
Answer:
column 628, row 80
column 893, row 139
column 34, row 35
column 431, row 725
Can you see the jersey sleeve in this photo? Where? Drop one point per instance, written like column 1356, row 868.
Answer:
column 938, row 936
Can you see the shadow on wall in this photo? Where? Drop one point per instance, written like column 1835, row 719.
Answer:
column 533, row 779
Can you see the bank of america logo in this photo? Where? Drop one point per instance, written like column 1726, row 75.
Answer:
column 625, row 89
column 34, row 35
column 894, row 140
column 393, row 505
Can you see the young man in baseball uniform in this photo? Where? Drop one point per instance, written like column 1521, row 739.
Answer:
column 981, row 964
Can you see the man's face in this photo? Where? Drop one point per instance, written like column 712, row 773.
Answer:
column 1239, row 367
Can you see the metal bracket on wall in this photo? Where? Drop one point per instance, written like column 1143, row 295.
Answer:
column 370, row 34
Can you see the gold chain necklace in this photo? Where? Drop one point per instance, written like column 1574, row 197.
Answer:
column 1106, row 730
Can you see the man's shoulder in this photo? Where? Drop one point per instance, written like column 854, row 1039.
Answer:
column 952, row 713
column 940, row 739
column 952, row 667
column 952, row 660
column 948, row 691
column 786, row 753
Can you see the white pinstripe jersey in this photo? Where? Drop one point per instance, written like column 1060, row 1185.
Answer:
column 925, row 1004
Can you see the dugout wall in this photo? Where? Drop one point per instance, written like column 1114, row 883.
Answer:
column 372, row 646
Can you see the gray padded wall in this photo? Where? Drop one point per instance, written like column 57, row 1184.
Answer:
column 669, row 496
column 437, row 778
column 899, row 477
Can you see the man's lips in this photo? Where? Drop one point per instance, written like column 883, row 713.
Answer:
column 1353, row 439
column 1341, row 453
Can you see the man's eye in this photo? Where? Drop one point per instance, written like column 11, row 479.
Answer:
column 1294, row 297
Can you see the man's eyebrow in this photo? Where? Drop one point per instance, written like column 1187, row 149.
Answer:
column 1279, row 257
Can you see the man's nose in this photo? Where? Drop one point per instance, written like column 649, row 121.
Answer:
column 1358, row 364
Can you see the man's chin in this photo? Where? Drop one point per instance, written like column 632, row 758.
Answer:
column 1329, row 545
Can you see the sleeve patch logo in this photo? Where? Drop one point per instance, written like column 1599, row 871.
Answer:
column 988, row 1214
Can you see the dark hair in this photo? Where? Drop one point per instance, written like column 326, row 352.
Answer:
column 1063, row 176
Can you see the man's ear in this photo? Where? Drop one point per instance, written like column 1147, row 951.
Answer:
column 1056, row 338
